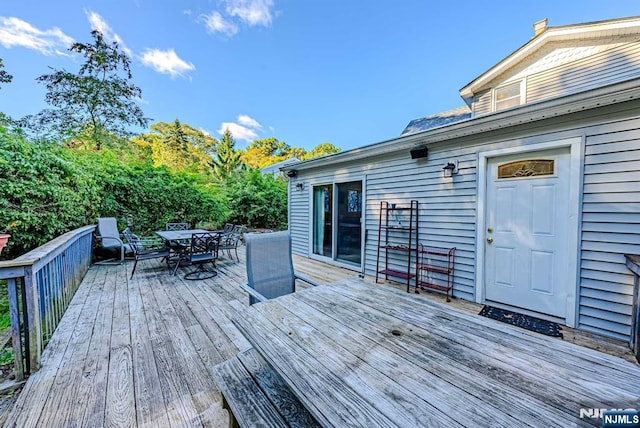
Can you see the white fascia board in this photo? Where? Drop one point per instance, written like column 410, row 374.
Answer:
column 528, row 113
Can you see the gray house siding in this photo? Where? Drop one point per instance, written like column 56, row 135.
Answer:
column 299, row 218
column 610, row 226
column 446, row 210
column 610, row 66
column 482, row 103
column 610, row 223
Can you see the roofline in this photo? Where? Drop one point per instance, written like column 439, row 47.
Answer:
column 554, row 107
column 557, row 32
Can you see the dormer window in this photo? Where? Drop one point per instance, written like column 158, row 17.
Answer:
column 508, row 95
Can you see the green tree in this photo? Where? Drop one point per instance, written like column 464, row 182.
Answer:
column 178, row 146
column 261, row 153
column 228, row 159
column 4, row 76
column 256, row 200
column 321, row 150
column 97, row 101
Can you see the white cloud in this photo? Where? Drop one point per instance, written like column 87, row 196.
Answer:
column 236, row 12
column 216, row 23
column 248, row 121
column 98, row 23
column 16, row 32
column 246, row 128
column 251, row 12
column 239, row 132
column 166, row 62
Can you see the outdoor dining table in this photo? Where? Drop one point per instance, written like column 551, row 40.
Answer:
column 359, row 354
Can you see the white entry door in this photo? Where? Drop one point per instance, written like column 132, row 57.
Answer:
column 526, row 236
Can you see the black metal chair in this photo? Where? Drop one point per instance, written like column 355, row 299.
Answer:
column 231, row 240
column 178, row 246
column 176, row 226
column 144, row 249
column 203, row 249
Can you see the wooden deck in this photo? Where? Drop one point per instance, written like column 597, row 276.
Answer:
column 141, row 352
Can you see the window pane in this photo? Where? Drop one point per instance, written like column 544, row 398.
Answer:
column 510, row 102
column 508, row 91
column 349, row 222
column 322, row 220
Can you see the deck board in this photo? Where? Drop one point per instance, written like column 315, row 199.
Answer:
column 141, row 351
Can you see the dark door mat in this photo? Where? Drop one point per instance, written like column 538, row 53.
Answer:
column 524, row 321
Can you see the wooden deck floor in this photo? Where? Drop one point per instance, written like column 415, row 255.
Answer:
column 141, row 352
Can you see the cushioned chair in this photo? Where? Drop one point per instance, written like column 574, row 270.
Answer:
column 203, row 249
column 144, row 249
column 270, row 271
column 110, row 239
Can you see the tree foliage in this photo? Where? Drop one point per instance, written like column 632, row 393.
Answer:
column 42, row 192
column 48, row 189
column 228, row 159
column 98, row 100
column 178, row 146
column 256, row 200
column 320, row 150
column 4, row 76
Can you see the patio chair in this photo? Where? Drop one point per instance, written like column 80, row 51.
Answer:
column 270, row 271
column 176, row 226
column 228, row 227
column 203, row 249
column 144, row 249
column 110, row 239
column 180, row 245
column 231, row 240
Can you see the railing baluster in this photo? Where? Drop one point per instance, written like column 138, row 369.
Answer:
column 14, row 314
column 41, row 285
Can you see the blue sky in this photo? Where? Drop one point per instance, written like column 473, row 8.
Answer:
column 348, row 72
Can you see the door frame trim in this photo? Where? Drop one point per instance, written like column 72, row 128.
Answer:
column 333, row 260
column 575, row 145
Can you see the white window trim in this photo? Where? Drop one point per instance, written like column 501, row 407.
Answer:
column 523, row 93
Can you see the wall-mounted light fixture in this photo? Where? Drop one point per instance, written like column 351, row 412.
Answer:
column 450, row 169
column 299, row 186
column 292, row 173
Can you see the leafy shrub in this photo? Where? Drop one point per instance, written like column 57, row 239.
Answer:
column 42, row 193
column 48, row 189
column 256, row 200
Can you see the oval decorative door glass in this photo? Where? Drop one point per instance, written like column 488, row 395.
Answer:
column 526, row 168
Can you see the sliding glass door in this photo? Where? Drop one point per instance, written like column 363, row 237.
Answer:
column 337, row 221
column 349, row 215
column 323, row 220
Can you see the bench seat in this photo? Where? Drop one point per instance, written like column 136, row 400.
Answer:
column 256, row 395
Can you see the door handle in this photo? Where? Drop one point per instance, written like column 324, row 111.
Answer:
column 489, row 240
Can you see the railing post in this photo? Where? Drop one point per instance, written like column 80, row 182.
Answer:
column 16, row 339
column 33, row 316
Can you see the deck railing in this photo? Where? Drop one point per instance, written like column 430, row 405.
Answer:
column 41, row 284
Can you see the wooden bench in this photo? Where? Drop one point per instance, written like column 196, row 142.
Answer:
column 256, row 395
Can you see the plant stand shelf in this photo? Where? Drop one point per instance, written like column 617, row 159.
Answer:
column 435, row 268
column 397, row 241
